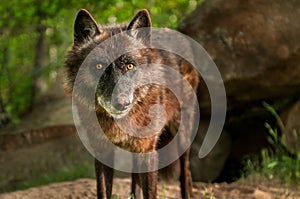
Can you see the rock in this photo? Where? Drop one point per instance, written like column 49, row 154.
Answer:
column 258, row 194
column 12, row 141
column 249, row 137
column 210, row 167
column 31, row 162
column 291, row 121
column 255, row 44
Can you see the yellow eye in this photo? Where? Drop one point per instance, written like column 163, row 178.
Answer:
column 130, row 66
column 99, row 66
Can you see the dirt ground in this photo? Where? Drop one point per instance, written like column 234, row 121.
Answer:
column 86, row 188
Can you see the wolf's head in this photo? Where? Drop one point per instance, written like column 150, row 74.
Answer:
column 115, row 89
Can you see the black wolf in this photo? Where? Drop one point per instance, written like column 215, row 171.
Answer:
column 118, row 99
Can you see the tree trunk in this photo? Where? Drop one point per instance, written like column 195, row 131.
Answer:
column 41, row 60
column 5, row 117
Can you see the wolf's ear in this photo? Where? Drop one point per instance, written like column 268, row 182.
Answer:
column 85, row 27
column 141, row 20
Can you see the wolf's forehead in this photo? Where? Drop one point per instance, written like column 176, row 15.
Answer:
column 108, row 31
column 113, row 42
column 113, row 29
column 114, row 46
column 118, row 45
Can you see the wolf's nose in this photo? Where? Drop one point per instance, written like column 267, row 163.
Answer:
column 121, row 106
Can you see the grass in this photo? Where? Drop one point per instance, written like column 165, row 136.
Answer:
column 207, row 195
column 73, row 172
column 163, row 194
column 279, row 163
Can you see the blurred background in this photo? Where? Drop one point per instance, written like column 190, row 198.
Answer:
column 35, row 36
column 255, row 45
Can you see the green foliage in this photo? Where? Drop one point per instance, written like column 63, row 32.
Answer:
column 73, row 172
column 283, row 167
column 22, row 23
column 278, row 163
column 163, row 194
column 207, row 195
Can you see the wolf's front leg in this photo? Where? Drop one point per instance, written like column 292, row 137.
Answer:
column 149, row 183
column 104, row 176
column 145, row 182
column 186, row 182
column 149, row 180
column 135, row 186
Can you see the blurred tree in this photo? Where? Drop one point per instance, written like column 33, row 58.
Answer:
column 35, row 35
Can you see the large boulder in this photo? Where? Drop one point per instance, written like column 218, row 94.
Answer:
column 291, row 132
column 256, row 47
column 255, row 44
column 209, row 168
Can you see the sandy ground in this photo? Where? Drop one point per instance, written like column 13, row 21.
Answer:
column 85, row 188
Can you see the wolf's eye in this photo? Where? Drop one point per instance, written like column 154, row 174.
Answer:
column 130, row 66
column 99, row 66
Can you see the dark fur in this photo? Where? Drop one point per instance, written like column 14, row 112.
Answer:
column 87, row 35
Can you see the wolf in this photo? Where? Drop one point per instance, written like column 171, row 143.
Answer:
column 119, row 100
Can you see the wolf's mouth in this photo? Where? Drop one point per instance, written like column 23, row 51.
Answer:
column 119, row 114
